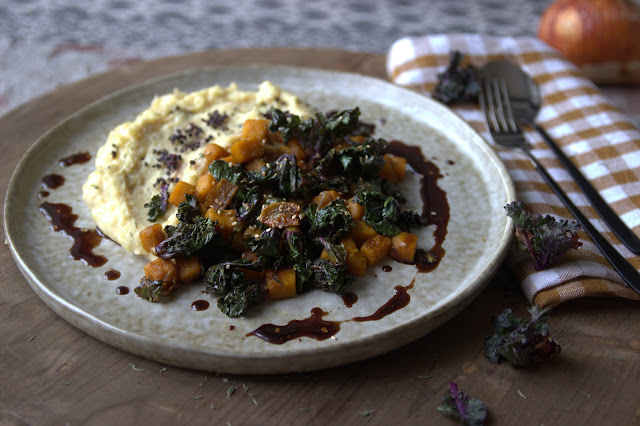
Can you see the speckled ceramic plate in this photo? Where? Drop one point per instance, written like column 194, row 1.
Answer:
column 476, row 183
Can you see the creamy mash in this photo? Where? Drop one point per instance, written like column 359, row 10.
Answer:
column 164, row 144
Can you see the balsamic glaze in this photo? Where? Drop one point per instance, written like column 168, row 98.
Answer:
column 399, row 300
column 112, row 274
column 84, row 240
column 122, row 290
column 349, row 299
column 79, row 158
column 52, row 181
column 435, row 205
column 387, row 268
column 314, row 327
column 200, row 305
column 43, row 194
column 232, row 327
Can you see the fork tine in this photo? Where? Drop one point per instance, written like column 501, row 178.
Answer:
column 498, row 101
column 508, row 115
column 486, row 102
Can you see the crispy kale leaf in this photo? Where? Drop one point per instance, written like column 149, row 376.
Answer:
column 158, row 204
column 330, row 277
column 220, row 169
column 331, row 221
column 151, row 290
column 457, row 83
column 380, row 212
column 188, row 210
column 360, row 160
column 521, row 342
column 316, row 135
column 283, row 176
column 266, row 246
column 192, row 234
column 227, row 280
column 458, row 405
column 543, row 238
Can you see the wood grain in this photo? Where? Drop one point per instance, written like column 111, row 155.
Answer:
column 52, row 373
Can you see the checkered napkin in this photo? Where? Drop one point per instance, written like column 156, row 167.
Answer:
column 598, row 138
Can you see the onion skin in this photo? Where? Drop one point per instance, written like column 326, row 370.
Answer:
column 596, row 32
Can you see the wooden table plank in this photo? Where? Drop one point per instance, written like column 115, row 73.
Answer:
column 62, row 375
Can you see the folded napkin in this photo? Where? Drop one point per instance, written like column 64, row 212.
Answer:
column 598, row 138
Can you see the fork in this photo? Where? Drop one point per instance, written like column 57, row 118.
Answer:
column 494, row 101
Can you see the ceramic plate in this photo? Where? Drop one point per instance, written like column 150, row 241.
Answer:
column 476, row 183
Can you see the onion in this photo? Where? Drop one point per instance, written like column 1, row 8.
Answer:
column 601, row 36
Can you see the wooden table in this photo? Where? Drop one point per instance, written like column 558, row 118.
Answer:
column 52, row 373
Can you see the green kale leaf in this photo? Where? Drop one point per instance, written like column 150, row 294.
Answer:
column 330, row 277
column 220, row 169
column 331, row 221
column 337, row 253
column 360, row 160
column 158, row 204
column 266, row 246
column 456, row 404
column 282, row 175
column 544, row 238
column 457, row 83
column 380, row 212
column 151, row 290
column 236, row 294
column 237, row 301
column 521, row 342
column 188, row 210
column 187, row 239
column 287, row 124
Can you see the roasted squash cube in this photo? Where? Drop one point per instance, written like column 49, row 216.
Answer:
column 226, row 221
column 256, row 130
column 151, row 236
column 161, row 269
column 376, row 249
column 325, row 197
column 356, row 262
column 398, row 164
column 294, row 147
column 361, row 232
column 281, row 214
column 189, row 269
column 204, row 185
column 220, row 195
column 356, row 210
column 281, row 283
column 179, row 190
column 213, row 152
column 403, row 246
column 245, row 150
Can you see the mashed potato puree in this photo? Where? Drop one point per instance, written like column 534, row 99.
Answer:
column 164, row 144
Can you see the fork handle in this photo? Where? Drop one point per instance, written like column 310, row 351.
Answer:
column 617, row 226
column 620, row 264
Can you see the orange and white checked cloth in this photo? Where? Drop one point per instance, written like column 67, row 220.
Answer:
column 595, row 134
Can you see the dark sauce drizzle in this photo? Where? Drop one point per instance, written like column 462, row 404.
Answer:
column 349, row 299
column 52, row 181
column 112, row 274
column 435, row 205
column 79, row 158
column 84, row 240
column 200, row 305
column 435, row 209
column 122, row 290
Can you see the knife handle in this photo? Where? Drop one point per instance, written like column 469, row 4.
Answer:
column 619, row 263
column 617, row 226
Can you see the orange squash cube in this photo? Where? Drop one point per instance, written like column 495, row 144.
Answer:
column 256, row 130
column 189, row 269
column 204, row 185
column 151, row 236
column 281, row 283
column 161, row 269
column 226, row 221
column 356, row 210
column 281, row 214
column 294, row 147
column 179, row 190
column 376, row 249
column 245, row 150
column 361, row 232
column 403, row 246
column 213, row 152
column 398, row 164
column 325, row 197
column 220, row 195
